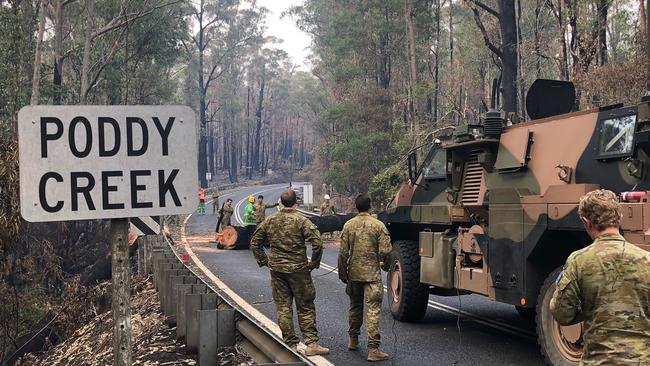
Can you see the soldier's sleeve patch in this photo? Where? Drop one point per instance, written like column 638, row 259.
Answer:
column 563, row 281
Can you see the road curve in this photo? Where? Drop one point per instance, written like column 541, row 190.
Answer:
column 469, row 330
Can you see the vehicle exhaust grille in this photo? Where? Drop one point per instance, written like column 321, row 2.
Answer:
column 472, row 180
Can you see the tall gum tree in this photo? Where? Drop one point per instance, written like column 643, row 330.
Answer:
column 506, row 51
column 223, row 29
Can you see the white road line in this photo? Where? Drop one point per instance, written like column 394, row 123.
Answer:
column 455, row 311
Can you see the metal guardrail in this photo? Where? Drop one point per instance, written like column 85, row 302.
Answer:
column 206, row 319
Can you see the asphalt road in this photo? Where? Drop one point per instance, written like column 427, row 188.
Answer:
column 488, row 333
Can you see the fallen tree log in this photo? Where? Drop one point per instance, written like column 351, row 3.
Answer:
column 236, row 237
column 329, row 224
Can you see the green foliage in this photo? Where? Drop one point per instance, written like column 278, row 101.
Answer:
column 385, row 184
column 17, row 26
column 365, row 141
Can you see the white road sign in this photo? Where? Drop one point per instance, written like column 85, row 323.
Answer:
column 102, row 162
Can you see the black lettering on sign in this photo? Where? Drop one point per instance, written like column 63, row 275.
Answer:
column 41, row 192
column 131, row 151
column 75, row 189
column 71, row 137
column 102, row 136
column 164, row 133
column 106, row 189
column 135, row 188
column 167, row 185
column 45, row 137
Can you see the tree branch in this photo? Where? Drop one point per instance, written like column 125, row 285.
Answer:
column 104, row 62
column 486, row 8
column 128, row 18
column 486, row 37
column 208, row 24
column 211, row 75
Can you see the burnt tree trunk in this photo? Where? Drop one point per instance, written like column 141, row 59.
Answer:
column 603, row 9
column 233, row 157
column 258, row 126
column 410, row 37
column 436, row 67
column 508, row 26
column 57, row 78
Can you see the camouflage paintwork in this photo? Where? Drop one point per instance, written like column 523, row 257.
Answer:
column 613, row 303
column 524, row 188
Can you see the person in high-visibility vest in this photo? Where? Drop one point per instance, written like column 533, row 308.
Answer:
column 201, row 210
column 250, row 220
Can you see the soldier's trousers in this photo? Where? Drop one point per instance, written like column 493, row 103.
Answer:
column 215, row 206
column 369, row 294
column 299, row 286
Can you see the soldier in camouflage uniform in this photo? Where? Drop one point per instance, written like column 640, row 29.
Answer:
column 260, row 209
column 327, row 208
column 606, row 285
column 288, row 233
column 365, row 249
column 225, row 213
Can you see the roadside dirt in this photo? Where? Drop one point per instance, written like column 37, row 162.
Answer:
column 153, row 342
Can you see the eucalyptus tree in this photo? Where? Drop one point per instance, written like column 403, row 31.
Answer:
column 222, row 28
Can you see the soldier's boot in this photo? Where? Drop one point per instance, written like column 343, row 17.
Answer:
column 374, row 354
column 353, row 343
column 315, row 349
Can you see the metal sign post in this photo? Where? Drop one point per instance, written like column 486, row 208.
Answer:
column 108, row 162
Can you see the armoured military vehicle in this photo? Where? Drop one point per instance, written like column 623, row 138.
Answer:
column 493, row 210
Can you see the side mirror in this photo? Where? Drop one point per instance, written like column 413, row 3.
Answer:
column 413, row 166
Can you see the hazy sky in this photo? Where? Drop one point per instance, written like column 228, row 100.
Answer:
column 296, row 42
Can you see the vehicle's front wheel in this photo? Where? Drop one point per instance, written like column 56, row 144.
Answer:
column 560, row 345
column 408, row 297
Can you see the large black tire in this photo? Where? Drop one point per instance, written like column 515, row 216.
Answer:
column 407, row 296
column 555, row 351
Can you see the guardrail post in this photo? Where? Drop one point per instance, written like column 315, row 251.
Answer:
column 160, row 258
column 165, row 288
column 194, row 303
column 172, row 298
column 225, row 328
column 192, row 306
column 208, row 338
column 162, row 264
column 208, row 301
column 216, row 330
column 181, row 291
